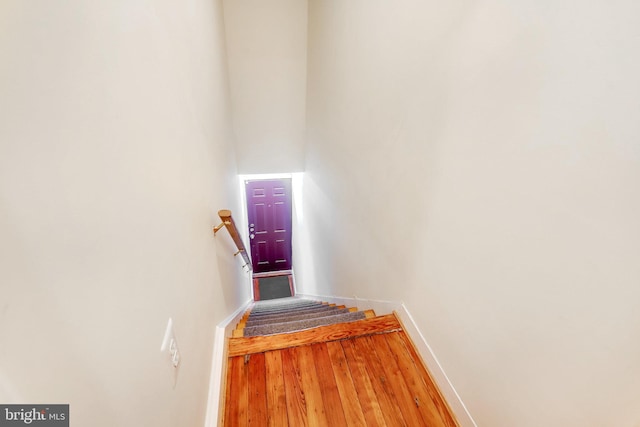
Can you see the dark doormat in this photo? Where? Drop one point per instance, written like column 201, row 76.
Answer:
column 273, row 287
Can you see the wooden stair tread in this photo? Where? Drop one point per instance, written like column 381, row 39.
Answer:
column 248, row 345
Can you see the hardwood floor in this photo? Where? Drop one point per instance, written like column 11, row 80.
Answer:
column 368, row 378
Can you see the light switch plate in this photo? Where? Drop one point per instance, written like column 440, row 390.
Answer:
column 170, row 345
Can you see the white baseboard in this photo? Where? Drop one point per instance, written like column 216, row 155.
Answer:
column 219, row 365
column 386, row 307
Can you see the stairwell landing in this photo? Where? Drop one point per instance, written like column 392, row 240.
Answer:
column 299, row 362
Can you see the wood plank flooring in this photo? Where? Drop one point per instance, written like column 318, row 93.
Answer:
column 364, row 379
column 249, row 345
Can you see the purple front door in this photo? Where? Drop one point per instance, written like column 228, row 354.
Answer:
column 269, row 215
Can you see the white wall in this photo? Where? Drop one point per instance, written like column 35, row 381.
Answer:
column 480, row 162
column 267, row 50
column 115, row 155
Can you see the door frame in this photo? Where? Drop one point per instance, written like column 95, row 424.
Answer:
column 296, row 214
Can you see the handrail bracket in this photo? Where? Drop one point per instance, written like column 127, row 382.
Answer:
column 227, row 221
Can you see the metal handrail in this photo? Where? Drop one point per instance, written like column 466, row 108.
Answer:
column 227, row 221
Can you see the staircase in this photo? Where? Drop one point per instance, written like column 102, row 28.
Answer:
column 293, row 314
column 298, row 362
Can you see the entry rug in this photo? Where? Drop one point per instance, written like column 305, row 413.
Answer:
column 34, row 415
column 274, row 287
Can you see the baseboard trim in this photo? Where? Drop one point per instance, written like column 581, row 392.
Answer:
column 217, row 380
column 411, row 328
